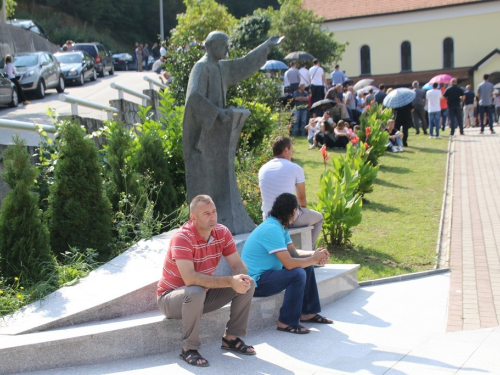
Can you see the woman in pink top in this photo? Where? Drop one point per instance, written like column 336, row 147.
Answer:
column 444, row 107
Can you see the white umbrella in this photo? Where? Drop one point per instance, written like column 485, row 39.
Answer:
column 362, row 84
column 366, row 89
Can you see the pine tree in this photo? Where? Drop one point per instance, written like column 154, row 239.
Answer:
column 79, row 211
column 24, row 238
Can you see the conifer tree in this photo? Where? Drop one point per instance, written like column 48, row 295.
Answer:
column 24, row 238
column 79, row 211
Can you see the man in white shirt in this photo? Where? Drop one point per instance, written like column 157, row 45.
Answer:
column 433, row 98
column 318, row 82
column 304, row 76
column 280, row 175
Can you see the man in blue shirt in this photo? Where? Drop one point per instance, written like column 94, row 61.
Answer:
column 338, row 76
column 380, row 95
column 276, row 265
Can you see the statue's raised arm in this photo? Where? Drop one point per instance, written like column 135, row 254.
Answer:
column 211, row 131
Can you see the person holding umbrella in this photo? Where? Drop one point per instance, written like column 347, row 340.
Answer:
column 401, row 101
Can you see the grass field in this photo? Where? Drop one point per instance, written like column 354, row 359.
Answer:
column 399, row 230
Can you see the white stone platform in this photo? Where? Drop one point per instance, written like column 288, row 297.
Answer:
column 112, row 313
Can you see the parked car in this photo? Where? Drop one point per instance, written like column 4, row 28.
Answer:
column 102, row 56
column 8, row 92
column 77, row 66
column 38, row 72
column 28, row 25
column 124, row 61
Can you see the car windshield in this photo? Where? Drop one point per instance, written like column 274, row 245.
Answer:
column 69, row 58
column 25, row 60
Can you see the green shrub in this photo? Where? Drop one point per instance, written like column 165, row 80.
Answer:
column 24, row 238
column 358, row 159
column 371, row 132
column 121, row 177
column 340, row 206
column 79, row 212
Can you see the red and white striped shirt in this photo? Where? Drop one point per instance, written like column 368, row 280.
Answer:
column 187, row 244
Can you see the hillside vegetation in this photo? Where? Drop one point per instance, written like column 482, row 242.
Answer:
column 117, row 24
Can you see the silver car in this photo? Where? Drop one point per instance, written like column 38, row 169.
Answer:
column 8, row 92
column 38, row 71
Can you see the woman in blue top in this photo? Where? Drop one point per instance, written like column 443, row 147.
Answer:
column 275, row 265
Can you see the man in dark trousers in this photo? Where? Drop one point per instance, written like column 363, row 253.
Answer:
column 454, row 94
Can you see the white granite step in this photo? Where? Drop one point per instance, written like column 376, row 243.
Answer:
column 146, row 333
column 122, row 287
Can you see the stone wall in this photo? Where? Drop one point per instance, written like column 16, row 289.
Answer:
column 14, row 39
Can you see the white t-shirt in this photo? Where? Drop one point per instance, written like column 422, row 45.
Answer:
column 276, row 177
column 304, row 77
column 312, row 129
column 433, row 100
column 10, row 69
column 317, row 73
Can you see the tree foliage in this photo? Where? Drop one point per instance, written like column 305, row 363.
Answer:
column 201, row 17
column 80, row 213
column 24, row 238
column 303, row 32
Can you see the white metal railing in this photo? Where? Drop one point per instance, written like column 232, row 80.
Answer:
column 19, row 125
column 75, row 101
column 121, row 89
column 153, row 82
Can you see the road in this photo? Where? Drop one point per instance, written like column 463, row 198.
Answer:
column 98, row 91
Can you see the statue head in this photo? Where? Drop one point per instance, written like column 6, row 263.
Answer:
column 217, row 45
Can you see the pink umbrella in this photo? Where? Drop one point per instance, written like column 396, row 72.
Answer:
column 441, row 78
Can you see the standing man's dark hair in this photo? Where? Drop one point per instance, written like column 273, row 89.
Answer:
column 292, row 64
column 337, row 66
column 279, row 145
column 381, row 86
column 486, row 77
column 315, row 61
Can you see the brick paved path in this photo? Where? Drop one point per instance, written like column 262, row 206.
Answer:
column 475, row 232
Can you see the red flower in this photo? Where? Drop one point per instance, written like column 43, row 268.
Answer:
column 355, row 140
column 367, row 131
column 325, row 154
column 367, row 146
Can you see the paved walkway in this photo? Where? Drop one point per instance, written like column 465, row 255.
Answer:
column 474, row 300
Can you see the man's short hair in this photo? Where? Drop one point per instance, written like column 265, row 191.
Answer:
column 370, row 91
column 315, row 61
column 337, row 66
column 381, row 86
column 292, row 63
column 284, row 208
column 303, row 65
column 468, row 87
column 435, row 85
column 390, row 121
column 415, row 84
column 486, row 76
column 453, row 81
column 279, row 145
column 199, row 198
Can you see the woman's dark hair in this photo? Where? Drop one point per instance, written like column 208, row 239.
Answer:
column 284, row 208
column 8, row 59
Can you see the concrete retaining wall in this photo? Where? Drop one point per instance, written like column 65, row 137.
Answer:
column 14, row 39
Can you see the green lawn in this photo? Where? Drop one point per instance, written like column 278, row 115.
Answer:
column 398, row 233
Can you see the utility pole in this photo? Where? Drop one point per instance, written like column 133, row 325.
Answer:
column 162, row 32
column 3, row 13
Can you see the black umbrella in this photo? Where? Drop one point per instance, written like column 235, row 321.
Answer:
column 299, row 55
column 323, row 104
column 348, row 82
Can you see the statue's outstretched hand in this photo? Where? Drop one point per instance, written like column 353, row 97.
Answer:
column 275, row 40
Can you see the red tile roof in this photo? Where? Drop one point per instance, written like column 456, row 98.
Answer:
column 342, row 9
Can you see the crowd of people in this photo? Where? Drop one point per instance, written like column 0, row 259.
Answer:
column 445, row 104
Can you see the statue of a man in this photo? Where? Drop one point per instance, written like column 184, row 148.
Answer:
column 211, row 131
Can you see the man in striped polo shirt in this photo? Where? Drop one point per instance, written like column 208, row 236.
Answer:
column 187, row 288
